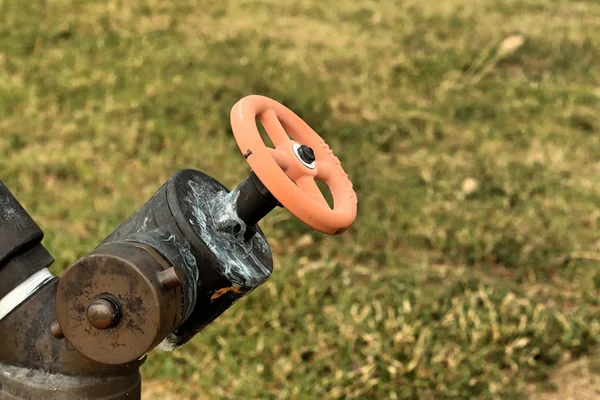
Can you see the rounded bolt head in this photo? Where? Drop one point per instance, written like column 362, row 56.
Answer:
column 103, row 313
column 56, row 330
column 171, row 278
column 306, row 154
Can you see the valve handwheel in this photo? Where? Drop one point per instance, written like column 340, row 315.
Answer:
column 299, row 158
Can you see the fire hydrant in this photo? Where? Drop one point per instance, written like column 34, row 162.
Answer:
column 175, row 265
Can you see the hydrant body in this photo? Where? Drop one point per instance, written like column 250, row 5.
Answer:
column 180, row 261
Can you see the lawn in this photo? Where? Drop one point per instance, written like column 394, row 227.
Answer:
column 471, row 132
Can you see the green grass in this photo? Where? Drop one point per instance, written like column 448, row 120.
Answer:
column 474, row 265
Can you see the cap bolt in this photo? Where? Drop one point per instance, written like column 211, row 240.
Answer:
column 103, row 313
column 306, row 154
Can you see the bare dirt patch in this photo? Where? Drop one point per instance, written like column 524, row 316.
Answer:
column 574, row 381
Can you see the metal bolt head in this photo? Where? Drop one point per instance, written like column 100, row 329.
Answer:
column 56, row 330
column 306, row 154
column 171, row 278
column 103, row 313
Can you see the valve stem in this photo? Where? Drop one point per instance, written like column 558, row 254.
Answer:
column 254, row 202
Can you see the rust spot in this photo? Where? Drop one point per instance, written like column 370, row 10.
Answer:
column 221, row 292
column 248, row 153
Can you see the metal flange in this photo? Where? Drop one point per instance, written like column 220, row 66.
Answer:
column 117, row 303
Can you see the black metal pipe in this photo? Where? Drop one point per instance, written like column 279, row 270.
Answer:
column 21, row 251
column 21, row 266
column 254, row 201
column 180, row 222
column 47, row 363
column 33, row 362
column 17, row 229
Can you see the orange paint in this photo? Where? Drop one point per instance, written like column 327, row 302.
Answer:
column 279, row 169
column 221, row 292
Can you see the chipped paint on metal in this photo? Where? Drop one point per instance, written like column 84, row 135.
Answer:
column 221, row 292
column 221, row 229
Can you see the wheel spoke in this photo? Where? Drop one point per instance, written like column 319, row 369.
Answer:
column 273, row 127
column 324, row 170
column 308, row 185
column 280, row 157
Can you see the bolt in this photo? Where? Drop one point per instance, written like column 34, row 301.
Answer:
column 103, row 313
column 306, row 154
column 56, row 330
column 171, row 278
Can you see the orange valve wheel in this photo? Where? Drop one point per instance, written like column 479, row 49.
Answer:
column 299, row 158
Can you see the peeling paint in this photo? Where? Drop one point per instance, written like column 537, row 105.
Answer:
column 221, row 229
column 221, row 292
column 191, row 202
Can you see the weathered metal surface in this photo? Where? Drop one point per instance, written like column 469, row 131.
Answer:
column 27, row 341
column 11, row 301
column 104, row 312
column 193, row 223
column 34, row 364
column 154, row 226
column 21, row 254
column 17, row 229
column 111, row 304
column 21, row 383
column 214, row 218
column 178, row 263
column 171, row 277
column 56, row 330
column 21, row 266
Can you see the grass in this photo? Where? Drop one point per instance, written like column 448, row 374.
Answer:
column 470, row 129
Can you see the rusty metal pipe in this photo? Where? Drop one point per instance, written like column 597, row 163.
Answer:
column 34, row 364
column 163, row 275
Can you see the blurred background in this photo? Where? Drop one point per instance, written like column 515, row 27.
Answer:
column 469, row 128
